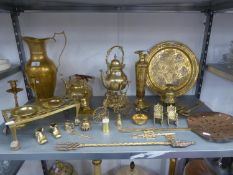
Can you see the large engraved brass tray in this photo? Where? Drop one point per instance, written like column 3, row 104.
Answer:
column 171, row 63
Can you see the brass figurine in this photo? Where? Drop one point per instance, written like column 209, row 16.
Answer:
column 158, row 113
column 54, row 130
column 40, row 136
column 141, row 67
column 14, row 90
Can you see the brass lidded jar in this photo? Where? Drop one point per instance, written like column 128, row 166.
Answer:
column 40, row 70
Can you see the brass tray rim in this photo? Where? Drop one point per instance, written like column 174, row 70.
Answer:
column 187, row 51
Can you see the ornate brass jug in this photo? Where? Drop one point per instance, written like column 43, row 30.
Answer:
column 115, row 79
column 40, row 70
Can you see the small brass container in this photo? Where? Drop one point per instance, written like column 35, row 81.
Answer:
column 140, row 119
column 69, row 126
column 40, row 136
column 54, row 130
column 85, row 125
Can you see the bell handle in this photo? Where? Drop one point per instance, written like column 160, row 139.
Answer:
column 110, row 50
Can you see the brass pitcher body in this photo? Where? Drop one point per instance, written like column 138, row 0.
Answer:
column 40, row 70
column 115, row 79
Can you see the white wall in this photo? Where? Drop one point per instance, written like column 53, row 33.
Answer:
column 90, row 35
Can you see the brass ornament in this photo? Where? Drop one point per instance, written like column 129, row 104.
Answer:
column 40, row 136
column 54, row 130
column 62, row 168
column 85, row 125
column 14, row 90
column 53, row 102
column 172, row 115
column 150, row 135
column 158, row 113
column 141, row 68
column 171, row 63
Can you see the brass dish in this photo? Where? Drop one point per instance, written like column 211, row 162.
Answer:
column 24, row 111
column 54, row 102
column 171, row 63
column 140, row 119
column 212, row 126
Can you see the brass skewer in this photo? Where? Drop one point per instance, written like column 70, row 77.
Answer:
column 75, row 146
column 127, row 130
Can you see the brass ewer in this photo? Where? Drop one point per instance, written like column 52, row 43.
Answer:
column 115, row 79
column 141, row 67
column 40, row 69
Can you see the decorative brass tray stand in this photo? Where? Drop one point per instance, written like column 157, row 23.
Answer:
column 14, row 122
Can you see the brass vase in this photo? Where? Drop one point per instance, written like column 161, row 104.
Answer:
column 40, row 70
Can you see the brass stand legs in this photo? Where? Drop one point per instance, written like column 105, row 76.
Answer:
column 15, row 145
column 172, row 167
column 97, row 167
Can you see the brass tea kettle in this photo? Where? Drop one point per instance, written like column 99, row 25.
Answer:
column 77, row 87
column 115, row 79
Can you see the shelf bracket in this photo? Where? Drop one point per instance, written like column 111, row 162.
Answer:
column 204, row 52
column 19, row 43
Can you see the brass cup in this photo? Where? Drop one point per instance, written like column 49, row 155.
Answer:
column 40, row 136
column 54, row 130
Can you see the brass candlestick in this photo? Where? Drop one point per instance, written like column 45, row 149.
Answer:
column 14, row 90
column 141, row 72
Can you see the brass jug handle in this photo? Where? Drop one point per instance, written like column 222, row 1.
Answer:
column 65, row 42
column 110, row 50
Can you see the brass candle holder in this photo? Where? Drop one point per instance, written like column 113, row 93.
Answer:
column 141, row 73
column 14, row 90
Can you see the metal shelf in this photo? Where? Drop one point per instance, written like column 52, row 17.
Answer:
column 115, row 5
column 12, row 70
column 30, row 150
column 222, row 70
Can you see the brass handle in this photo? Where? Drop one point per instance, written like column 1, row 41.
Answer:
column 110, row 50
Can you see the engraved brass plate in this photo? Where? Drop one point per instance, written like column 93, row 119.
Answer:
column 171, row 63
column 24, row 111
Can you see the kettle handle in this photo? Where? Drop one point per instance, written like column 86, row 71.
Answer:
column 110, row 50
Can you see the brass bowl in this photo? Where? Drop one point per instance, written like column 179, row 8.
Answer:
column 24, row 111
column 54, row 102
column 140, row 119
